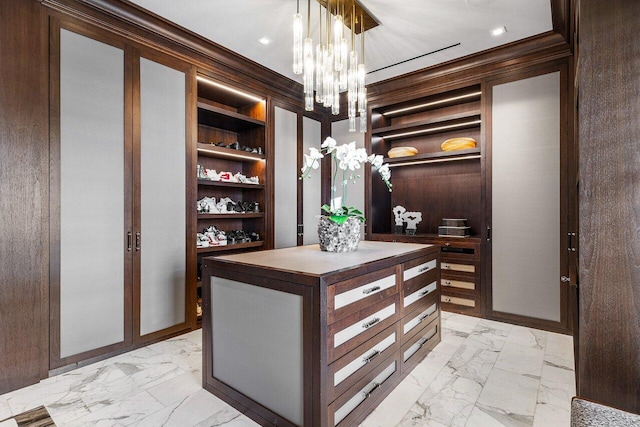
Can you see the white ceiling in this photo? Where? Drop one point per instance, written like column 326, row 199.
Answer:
column 408, row 28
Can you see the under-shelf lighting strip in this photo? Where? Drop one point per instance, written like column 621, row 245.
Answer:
column 432, row 103
column 422, row 162
column 241, row 156
column 430, row 130
column 230, row 89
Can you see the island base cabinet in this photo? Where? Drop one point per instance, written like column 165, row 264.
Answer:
column 301, row 337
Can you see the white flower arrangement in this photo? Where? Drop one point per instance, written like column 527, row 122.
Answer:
column 349, row 160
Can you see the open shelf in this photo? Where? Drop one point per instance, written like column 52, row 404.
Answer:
column 237, row 215
column 438, row 157
column 230, row 184
column 230, row 247
column 211, row 115
column 210, row 150
column 439, row 101
column 442, row 124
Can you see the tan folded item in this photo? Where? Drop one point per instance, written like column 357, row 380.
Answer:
column 402, row 152
column 461, row 143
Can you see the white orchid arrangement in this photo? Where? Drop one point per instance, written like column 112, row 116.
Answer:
column 349, row 160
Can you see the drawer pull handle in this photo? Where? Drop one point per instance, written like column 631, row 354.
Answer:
column 371, row 357
column 447, row 300
column 370, row 323
column 368, row 291
column 423, row 293
column 447, row 283
column 421, row 318
column 446, row 266
column 368, row 393
column 423, row 341
column 423, row 269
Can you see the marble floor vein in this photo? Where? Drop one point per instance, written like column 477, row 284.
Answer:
column 482, row 374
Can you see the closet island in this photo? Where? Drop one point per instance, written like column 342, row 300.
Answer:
column 302, row 337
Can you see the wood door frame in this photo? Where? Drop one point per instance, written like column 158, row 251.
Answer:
column 568, row 195
column 190, row 193
column 56, row 25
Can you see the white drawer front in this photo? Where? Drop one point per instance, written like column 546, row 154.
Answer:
column 458, row 267
column 357, row 328
column 361, row 292
column 418, row 345
column 418, row 270
column 363, row 359
column 419, row 318
column 420, row 293
column 363, row 394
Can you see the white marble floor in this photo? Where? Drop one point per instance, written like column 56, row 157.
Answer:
column 482, row 374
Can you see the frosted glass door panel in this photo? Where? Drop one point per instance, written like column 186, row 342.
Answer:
column 355, row 192
column 257, row 344
column 92, row 234
column 311, row 133
column 525, row 158
column 286, row 179
column 162, row 196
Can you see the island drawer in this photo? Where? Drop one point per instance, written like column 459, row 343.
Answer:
column 415, row 297
column 350, row 407
column 351, row 367
column 415, row 349
column 353, row 295
column 351, row 331
column 424, row 314
column 460, row 302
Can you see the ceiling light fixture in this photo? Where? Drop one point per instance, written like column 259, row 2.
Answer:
column 264, row 40
column 335, row 66
column 498, row 31
column 229, row 89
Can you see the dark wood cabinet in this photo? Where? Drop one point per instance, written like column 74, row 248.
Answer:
column 324, row 337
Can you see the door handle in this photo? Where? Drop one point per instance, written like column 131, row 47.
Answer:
column 129, row 239
column 565, row 279
column 137, row 241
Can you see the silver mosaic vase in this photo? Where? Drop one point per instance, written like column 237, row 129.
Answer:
column 339, row 238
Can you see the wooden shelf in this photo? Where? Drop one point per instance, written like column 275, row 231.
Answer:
column 237, row 215
column 226, row 184
column 231, row 247
column 210, row 150
column 438, row 157
column 461, row 96
column 466, row 120
column 211, row 115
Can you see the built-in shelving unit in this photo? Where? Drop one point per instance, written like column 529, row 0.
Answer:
column 232, row 138
column 439, row 184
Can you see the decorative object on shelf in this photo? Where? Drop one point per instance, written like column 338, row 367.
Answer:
column 397, row 213
column 209, row 205
column 460, row 143
column 412, row 219
column 454, row 227
column 349, row 160
column 402, row 152
column 336, row 64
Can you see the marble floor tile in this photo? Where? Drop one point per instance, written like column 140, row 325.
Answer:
column 510, row 394
column 528, row 337
column 521, row 360
column 394, row 406
column 482, row 374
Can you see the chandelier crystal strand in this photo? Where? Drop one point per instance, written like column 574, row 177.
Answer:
column 335, row 108
column 338, row 26
column 361, row 70
column 297, row 41
column 319, row 58
column 352, row 83
column 308, row 64
column 363, row 112
column 328, row 64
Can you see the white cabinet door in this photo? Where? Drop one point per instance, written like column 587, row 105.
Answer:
column 526, row 197
column 92, row 195
column 162, row 197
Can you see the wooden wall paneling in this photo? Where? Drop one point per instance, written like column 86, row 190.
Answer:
column 609, row 131
column 24, row 208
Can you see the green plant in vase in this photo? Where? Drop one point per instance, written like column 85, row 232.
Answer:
column 347, row 160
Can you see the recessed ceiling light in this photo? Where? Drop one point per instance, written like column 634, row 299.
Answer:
column 498, row 31
column 264, row 40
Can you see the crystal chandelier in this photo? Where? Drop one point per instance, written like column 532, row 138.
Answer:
column 334, row 66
